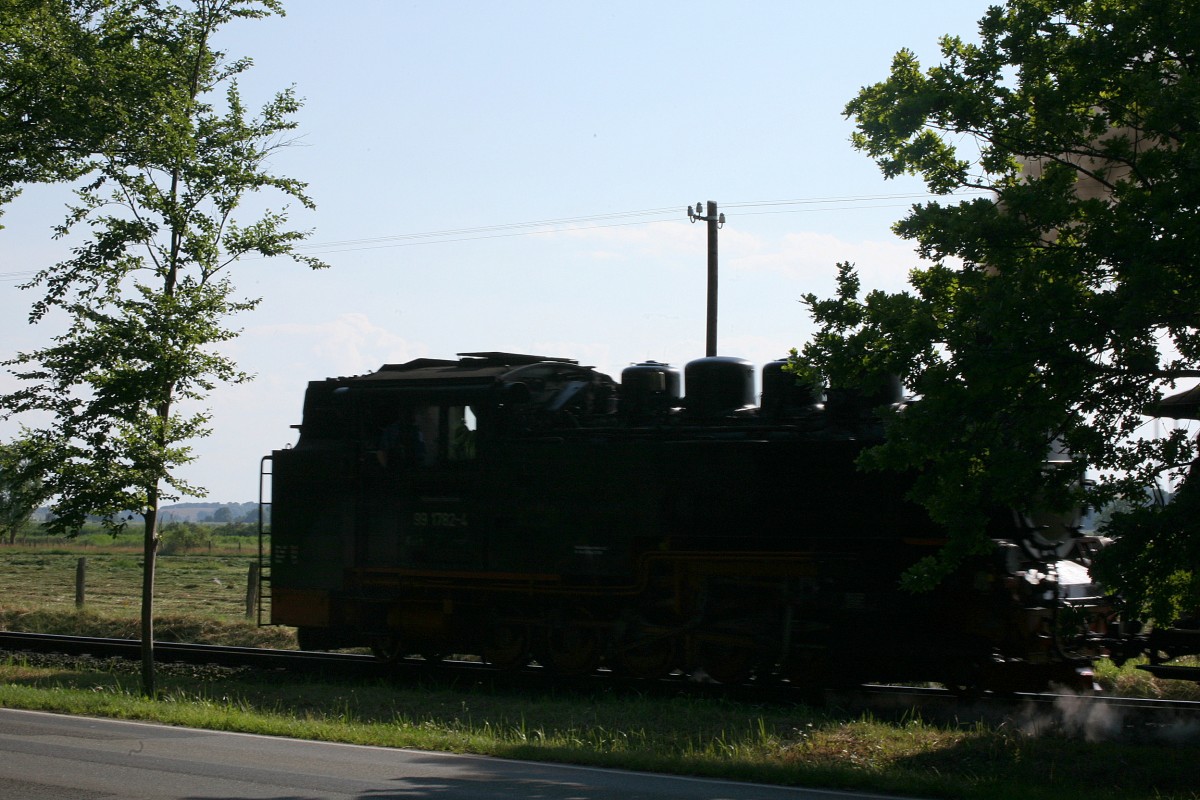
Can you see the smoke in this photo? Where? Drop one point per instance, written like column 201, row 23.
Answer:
column 1091, row 719
column 1072, row 715
column 1180, row 732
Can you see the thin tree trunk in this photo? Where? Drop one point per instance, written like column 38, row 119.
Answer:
column 149, row 552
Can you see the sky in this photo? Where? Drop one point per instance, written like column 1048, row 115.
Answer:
column 515, row 177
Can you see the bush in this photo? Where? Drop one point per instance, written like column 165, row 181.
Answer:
column 180, row 537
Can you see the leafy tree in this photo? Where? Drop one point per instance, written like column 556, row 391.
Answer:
column 1060, row 300
column 148, row 295
column 20, row 492
column 46, row 132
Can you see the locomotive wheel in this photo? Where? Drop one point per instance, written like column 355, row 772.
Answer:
column 808, row 668
column 311, row 639
column 965, row 691
column 387, row 649
column 967, row 680
column 725, row 663
column 571, row 650
column 507, row 647
column 652, row 658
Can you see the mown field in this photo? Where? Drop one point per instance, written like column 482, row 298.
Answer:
column 185, row 583
column 201, row 597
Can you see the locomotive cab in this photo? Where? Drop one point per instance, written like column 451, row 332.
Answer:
column 398, row 473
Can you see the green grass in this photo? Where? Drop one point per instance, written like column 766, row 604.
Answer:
column 167, row 627
column 1129, row 681
column 792, row 745
column 45, row 578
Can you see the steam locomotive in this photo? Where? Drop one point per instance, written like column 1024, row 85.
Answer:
column 524, row 508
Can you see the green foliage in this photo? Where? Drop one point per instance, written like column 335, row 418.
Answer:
column 1062, row 305
column 47, row 128
column 20, row 492
column 180, row 537
column 170, row 153
column 1160, row 547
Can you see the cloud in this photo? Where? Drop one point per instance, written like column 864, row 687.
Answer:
column 668, row 240
column 349, row 344
column 809, row 256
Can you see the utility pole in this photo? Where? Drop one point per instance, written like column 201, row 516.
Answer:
column 715, row 222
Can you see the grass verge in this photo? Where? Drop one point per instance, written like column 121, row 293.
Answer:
column 793, row 745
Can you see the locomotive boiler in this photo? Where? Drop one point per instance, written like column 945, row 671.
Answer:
column 525, row 509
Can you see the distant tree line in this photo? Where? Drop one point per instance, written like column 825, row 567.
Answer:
column 235, row 519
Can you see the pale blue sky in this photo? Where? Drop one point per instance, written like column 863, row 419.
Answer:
column 424, row 117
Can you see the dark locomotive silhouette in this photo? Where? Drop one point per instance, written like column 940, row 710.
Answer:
column 523, row 508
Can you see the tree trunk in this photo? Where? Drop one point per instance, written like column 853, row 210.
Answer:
column 149, row 551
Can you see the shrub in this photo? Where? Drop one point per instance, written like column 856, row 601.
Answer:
column 180, row 537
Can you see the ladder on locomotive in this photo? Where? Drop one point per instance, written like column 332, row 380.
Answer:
column 264, row 536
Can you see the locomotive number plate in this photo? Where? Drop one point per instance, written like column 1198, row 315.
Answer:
column 439, row 519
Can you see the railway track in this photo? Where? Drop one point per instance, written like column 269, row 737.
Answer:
column 1086, row 716
column 178, row 652
column 1093, row 717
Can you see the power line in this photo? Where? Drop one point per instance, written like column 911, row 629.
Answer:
column 453, row 232
column 827, row 200
column 567, row 224
column 648, row 216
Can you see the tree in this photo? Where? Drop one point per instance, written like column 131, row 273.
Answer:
column 20, row 492
column 42, row 130
column 1061, row 300
column 148, row 295
column 67, row 85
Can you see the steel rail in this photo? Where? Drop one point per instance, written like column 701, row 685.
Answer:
column 178, row 652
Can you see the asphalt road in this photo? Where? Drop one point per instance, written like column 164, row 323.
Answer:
column 54, row 757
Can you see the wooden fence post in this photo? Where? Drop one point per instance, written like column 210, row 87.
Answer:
column 252, row 589
column 80, row 582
